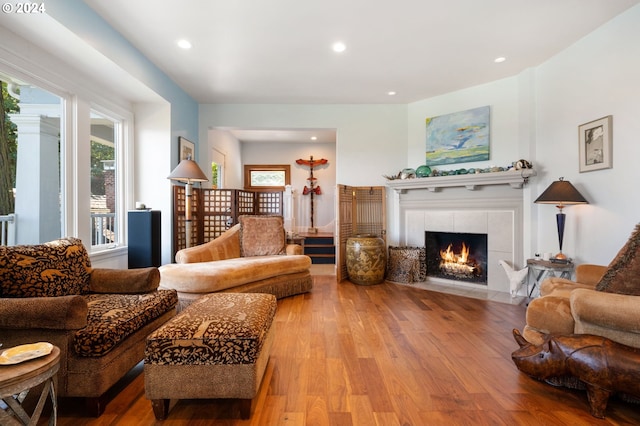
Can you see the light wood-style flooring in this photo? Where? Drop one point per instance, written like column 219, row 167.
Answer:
column 380, row 355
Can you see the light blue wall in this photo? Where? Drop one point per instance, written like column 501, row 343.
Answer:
column 83, row 21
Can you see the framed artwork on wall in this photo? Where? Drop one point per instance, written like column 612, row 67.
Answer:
column 596, row 144
column 187, row 149
column 459, row 137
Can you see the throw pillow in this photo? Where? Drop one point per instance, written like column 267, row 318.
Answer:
column 261, row 235
column 57, row 268
column 623, row 274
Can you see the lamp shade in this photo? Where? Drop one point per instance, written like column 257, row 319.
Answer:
column 188, row 171
column 561, row 192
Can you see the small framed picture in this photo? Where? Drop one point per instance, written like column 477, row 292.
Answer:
column 187, row 149
column 596, row 144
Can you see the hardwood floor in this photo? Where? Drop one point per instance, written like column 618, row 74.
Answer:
column 381, row 355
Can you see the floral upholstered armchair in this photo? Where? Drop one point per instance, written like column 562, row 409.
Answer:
column 98, row 318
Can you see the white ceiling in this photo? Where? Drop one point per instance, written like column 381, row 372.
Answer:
column 278, row 51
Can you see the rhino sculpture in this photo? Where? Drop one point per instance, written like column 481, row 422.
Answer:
column 604, row 366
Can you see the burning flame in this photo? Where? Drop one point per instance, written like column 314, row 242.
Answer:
column 449, row 256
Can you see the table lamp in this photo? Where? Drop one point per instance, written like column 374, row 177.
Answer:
column 188, row 171
column 561, row 193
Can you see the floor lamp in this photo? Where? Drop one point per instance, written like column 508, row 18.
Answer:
column 561, row 193
column 188, row 172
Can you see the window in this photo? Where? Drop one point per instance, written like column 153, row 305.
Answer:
column 30, row 165
column 105, row 200
column 267, row 177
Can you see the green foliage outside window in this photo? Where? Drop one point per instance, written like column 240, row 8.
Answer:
column 8, row 151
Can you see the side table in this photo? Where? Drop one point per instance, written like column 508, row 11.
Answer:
column 18, row 379
column 540, row 269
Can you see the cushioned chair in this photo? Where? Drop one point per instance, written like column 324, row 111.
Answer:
column 99, row 318
column 604, row 301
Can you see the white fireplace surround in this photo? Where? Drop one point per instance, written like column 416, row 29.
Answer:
column 495, row 209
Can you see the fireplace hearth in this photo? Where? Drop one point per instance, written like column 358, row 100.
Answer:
column 457, row 256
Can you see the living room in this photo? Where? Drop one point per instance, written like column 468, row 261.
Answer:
column 535, row 115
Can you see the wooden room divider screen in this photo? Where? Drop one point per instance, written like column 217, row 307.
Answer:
column 216, row 210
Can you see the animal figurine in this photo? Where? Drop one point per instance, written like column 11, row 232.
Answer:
column 604, row 366
column 516, row 278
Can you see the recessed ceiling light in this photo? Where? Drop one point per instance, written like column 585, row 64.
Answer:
column 499, row 59
column 314, row 138
column 339, row 47
column 184, row 44
column 391, row 93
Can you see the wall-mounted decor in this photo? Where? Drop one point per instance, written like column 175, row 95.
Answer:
column 596, row 144
column 460, row 137
column 187, row 149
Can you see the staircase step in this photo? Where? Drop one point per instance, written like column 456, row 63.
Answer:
column 320, row 248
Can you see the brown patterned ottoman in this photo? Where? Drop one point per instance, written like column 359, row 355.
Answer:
column 218, row 347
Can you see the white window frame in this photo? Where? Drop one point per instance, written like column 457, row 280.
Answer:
column 122, row 140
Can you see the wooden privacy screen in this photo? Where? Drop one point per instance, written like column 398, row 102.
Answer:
column 361, row 210
column 216, row 210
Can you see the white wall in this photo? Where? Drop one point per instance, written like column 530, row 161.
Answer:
column 288, row 153
column 371, row 139
column 597, row 76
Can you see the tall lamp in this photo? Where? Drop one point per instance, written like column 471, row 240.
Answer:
column 188, row 171
column 561, row 193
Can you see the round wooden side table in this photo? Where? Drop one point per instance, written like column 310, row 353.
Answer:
column 15, row 382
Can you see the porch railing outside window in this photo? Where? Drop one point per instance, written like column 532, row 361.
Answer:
column 7, row 230
column 103, row 228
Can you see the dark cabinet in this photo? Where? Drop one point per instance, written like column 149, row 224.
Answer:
column 145, row 248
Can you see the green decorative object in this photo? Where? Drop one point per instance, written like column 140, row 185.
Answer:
column 366, row 259
column 423, row 171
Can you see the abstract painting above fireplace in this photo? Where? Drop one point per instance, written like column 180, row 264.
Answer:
column 457, row 256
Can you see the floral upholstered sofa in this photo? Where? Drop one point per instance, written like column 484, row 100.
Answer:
column 99, row 318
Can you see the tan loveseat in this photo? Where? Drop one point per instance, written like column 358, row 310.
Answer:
column 604, row 301
column 250, row 257
column 99, row 318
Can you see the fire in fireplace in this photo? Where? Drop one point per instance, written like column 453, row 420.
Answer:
column 457, row 256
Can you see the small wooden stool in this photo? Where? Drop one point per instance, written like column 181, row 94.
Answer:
column 218, row 347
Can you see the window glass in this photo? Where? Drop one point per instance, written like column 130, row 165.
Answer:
column 105, row 137
column 266, row 177
column 30, row 163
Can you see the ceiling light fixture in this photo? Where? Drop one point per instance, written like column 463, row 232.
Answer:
column 339, row 47
column 314, row 138
column 184, row 44
column 499, row 59
column 391, row 93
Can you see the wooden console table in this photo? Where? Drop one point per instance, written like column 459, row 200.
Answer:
column 18, row 379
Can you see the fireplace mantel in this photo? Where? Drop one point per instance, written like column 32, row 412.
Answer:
column 515, row 178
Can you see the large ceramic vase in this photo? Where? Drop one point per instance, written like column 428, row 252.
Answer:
column 366, row 259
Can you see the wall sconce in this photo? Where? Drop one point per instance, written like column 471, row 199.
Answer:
column 561, row 193
column 188, row 171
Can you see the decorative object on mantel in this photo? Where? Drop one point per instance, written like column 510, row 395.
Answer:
column 425, row 171
column 312, row 189
column 561, row 193
column 460, row 137
column 515, row 178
